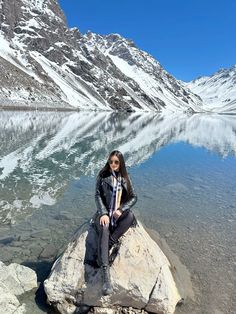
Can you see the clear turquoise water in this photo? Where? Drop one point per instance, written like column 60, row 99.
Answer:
column 183, row 169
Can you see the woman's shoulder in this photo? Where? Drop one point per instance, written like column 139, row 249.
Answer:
column 103, row 175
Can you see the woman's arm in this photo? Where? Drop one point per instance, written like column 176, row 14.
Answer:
column 98, row 200
column 133, row 199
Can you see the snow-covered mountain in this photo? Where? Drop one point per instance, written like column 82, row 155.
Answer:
column 45, row 63
column 217, row 91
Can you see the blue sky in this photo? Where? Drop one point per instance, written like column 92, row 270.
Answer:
column 190, row 38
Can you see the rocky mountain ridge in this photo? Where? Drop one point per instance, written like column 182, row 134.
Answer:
column 45, row 63
column 217, row 91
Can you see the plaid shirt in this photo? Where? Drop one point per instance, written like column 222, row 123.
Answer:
column 116, row 196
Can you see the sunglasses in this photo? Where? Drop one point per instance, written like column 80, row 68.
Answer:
column 116, row 162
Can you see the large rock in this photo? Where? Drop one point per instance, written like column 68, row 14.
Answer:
column 15, row 280
column 141, row 275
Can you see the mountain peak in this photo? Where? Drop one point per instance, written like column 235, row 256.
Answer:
column 86, row 71
column 218, row 90
column 31, row 19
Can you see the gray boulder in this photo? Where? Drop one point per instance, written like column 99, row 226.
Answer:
column 15, row 280
column 141, row 276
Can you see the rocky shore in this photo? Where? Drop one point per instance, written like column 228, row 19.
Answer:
column 15, row 280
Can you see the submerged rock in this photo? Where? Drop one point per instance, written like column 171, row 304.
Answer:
column 15, row 280
column 141, row 276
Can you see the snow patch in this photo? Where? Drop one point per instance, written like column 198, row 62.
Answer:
column 73, row 91
column 15, row 57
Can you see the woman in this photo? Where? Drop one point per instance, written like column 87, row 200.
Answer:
column 114, row 196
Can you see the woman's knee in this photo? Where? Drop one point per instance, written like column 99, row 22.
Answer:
column 99, row 226
column 104, row 229
column 127, row 216
column 130, row 216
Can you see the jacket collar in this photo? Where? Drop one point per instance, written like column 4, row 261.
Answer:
column 108, row 179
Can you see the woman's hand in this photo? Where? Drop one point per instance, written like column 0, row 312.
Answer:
column 117, row 214
column 104, row 220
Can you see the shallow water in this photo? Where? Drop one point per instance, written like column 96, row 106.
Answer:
column 182, row 167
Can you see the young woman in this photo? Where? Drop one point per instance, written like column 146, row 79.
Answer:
column 114, row 196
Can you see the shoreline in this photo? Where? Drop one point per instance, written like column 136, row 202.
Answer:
column 36, row 108
column 71, row 109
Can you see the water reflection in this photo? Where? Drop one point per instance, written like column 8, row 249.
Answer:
column 183, row 169
column 40, row 152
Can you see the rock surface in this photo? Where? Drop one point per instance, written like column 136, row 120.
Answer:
column 141, row 276
column 15, row 280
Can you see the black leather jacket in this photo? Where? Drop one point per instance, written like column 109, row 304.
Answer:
column 103, row 194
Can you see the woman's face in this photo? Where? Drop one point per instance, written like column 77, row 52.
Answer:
column 114, row 163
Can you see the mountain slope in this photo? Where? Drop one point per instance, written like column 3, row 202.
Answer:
column 52, row 65
column 217, row 91
column 143, row 70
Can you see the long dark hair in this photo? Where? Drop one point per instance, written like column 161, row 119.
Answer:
column 122, row 169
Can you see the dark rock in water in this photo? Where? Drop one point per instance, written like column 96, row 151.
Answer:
column 6, row 240
column 63, row 216
column 48, row 252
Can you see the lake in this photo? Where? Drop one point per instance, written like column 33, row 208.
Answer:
column 183, row 169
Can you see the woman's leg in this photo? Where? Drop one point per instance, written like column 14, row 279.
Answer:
column 103, row 240
column 103, row 251
column 123, row 224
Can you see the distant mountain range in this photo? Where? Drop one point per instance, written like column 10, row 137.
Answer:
column 43, row 63
column 217, row 91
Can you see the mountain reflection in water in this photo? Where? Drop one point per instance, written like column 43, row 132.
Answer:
column 183, row 168
column 41, row 151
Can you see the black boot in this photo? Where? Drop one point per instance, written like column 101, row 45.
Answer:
column 82, row 309
column 114, row 252
column 106, row 287
column 111, row 242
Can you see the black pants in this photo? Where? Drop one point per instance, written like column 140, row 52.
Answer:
column 109, row 235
